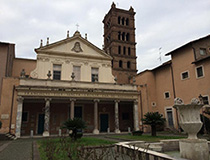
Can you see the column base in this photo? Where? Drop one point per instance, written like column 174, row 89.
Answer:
column 95, row 131
column 46, row 134
column 117, row 131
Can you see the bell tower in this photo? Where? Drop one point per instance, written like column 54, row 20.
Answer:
column 119, row 42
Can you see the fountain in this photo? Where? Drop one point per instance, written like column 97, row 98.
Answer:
column 189, row 117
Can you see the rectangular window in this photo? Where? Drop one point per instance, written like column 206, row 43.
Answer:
column 206, row 100
column 94, row 74
column 167, row 95
column 25, row 117
column 76, row 70
column 185, row 75
column 199, row 71
column 202, row 51
column 56, row 71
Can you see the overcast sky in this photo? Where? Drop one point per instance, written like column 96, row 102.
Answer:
column 159, row 23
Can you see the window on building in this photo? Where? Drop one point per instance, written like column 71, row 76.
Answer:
column 119, row 35
column 76, row 70
column 120, row 64
column 119, row 49
column 124, row 50
column 94, row 74
column 185, row 75
column 167, row 95
column 25, row 116
column 127, row 22
column 202, row 51
column 123, row 36
column 123, row 21
column 56, row 71
column 199, row 71
column 127, row 37
column 206, row 100
column 129, row 51
column 119, row 19
column 128, row 64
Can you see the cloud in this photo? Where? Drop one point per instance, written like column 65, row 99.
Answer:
column 168, row 24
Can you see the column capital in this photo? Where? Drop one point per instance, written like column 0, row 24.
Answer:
column 48, row 99
column 117, row 101
column 72, row 99
column 96, row 100
column 135, row 101
column 20, row 99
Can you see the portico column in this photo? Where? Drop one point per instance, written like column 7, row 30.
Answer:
column 116, row 109
column 135, row 115
column 96, row 131
column 19, row 116
column 47, row 117
column 72, row 108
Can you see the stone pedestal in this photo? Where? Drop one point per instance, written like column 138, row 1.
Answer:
column 194, row 149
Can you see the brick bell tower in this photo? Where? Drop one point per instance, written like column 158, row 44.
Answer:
column 119, row 42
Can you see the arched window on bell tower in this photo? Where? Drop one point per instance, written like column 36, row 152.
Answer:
column 120, row 64
column 119, row 49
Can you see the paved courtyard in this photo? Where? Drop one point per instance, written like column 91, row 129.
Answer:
column 20, row 149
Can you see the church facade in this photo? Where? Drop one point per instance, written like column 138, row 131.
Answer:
column 70, row 78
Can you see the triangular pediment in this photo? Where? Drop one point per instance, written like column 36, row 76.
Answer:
column 74, row 46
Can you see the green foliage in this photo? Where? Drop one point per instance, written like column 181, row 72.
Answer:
column 0, row 124
column 153, row 119
column 75, row 125
column 63, row 148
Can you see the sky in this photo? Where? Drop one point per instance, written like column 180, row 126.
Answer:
column 165, row 24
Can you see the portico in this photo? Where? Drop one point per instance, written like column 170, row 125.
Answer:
column 103, row 107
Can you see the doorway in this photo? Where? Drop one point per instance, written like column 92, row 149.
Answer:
column 104, row 122
column 40, row 124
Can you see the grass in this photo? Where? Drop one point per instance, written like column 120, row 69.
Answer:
column 59, row 149
column 147, row 138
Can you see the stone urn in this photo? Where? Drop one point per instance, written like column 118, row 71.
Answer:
column 189, row 117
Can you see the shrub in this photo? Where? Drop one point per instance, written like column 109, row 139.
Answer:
column 75, row 126
column 153, row 119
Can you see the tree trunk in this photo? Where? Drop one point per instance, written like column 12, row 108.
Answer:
column 153, row 127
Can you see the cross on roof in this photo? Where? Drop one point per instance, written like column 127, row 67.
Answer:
column 77, row 26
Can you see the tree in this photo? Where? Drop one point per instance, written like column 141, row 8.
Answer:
column 74, row 125
column 153, row 119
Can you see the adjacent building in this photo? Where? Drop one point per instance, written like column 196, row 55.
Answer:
column 186, row 76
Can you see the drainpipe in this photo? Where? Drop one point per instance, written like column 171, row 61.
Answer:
column 11, row 112
column 174, row 92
